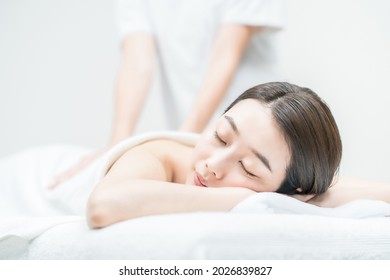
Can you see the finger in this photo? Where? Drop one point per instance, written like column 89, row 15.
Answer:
column 65, row 176
column 60, row 178
column 78, row 167
column 53, row 184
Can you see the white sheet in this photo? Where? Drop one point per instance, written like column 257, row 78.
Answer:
column 36, row 224
column 219, row 236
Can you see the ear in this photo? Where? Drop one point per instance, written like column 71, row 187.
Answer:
column 303, row 197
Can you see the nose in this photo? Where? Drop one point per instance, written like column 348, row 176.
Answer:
column 216, row 167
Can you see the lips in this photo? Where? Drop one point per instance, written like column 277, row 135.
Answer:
column 198, row 180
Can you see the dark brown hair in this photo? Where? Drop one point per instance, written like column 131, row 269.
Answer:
column 309, row 130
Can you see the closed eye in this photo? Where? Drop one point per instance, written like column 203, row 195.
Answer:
column 246, row 171
column 219, row 138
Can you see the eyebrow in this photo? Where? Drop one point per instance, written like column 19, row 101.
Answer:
column 232, row 124
column 261, row 157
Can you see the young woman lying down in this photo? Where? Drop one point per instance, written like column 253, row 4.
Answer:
column 275, row 137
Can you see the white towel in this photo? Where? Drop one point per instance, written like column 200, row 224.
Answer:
column 28, row 208
column 275, row 203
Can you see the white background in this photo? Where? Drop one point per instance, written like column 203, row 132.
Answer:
column 58, row 62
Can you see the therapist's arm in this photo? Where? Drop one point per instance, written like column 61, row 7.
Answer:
column 133, row 83
column 227, row 51
column 132, row 86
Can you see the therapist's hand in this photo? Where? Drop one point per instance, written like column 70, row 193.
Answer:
column 75, row 169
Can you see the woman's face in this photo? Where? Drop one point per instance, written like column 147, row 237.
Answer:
column 244, row 148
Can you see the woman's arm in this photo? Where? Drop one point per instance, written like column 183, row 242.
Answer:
column 229, row 46
column 137, row 186
column 348, row 189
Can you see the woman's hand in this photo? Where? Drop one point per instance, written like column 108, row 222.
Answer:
column 346, row 190
column 303, row 197
column 75, row 169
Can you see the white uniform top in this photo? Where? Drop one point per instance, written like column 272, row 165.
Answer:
column 184, row 31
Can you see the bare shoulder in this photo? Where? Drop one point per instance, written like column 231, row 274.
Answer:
column 174, row 156
column 163, row 147
column 155, row 160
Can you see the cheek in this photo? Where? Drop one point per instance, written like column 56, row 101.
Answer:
column 197, row 156
column 201, row 152
column 234, row 179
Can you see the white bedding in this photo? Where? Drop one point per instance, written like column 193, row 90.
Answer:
column 37, row 224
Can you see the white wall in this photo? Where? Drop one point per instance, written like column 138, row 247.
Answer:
column 341, row 49
column 58, row 61
column 57, row 68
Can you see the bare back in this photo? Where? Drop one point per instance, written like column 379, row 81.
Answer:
column 159, row 159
